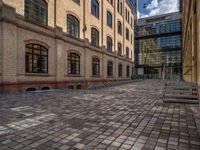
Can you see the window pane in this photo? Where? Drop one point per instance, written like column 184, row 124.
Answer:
column 73, row 63
column 36, row 11
column 36, row 59
column 73, row 26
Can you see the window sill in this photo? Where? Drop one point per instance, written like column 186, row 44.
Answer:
column 36, row 23
column 73, row 37
column 110, row 51
column 73, row 75
column 110, row 76
column 36, row 74
column 110, row 26
column 97, row 17
column 97, row 46
column 95, row 76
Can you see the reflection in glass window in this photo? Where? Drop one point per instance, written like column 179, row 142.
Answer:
column 37, row 11
column 110, row 68
column 36, row 59
column 73, row 27
column 73, row 64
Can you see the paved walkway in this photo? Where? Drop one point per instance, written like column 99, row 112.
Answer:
column 130, row 116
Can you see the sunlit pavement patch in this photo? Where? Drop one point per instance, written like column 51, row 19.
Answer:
column 27, row 123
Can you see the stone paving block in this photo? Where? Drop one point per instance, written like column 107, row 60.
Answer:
column 64, row 147
column 130, row 116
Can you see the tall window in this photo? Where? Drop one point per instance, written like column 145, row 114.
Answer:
column 119, row 49
column 110, row 68
column 120, row 70
column 36, row 59
column 109, row 43
column 126, row 12
column 109, row 19
column 131, row 54
column 119, row 27
column 95, row 67
column 131, row 22
column 73, row 27
column 37, row 11
column 127, row 34
column 95, row 8
column 128, row 17
column 73, row 64
column 127, row 53
column 119, row 7
column 94, row 37
column 131, row 39
column 127, row 71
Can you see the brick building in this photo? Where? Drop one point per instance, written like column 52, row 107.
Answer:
column 191, row 40
column 48, row 44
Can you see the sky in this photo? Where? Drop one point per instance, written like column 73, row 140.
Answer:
column 157, row 7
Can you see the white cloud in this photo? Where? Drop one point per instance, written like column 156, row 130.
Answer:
column 158, row 7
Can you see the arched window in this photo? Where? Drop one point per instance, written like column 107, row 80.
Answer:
column 126, row 12
column 127, row 34
column 127, row 53
column 94, row 37
column 109, row 19
column 73, row 64
column 95, row 67
column 131, row 39
column 37, row 11
column 95, row 8
column 120, row 70
column 131, row 54
column 127, row 71
column 110, row 68
column 119, row 49
column 73, row 26
column 119, row 27
column 109, row 44
column 36, row 59
column 119, row 7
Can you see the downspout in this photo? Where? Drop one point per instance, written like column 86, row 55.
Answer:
column 84, row 30
column 55, row 7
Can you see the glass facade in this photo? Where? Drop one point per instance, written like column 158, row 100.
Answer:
column 160, row 28
column 159, row 45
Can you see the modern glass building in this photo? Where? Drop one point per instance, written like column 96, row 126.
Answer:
column 158, row 46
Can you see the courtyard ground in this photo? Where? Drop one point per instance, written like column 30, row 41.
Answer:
column 130, row 116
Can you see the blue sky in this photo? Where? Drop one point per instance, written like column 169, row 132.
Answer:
column 141, row 2
column 157, row 7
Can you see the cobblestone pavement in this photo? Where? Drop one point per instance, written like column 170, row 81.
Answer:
column 130, row 116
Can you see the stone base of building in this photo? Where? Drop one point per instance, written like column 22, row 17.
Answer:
column 23, row 87
column 199, row 93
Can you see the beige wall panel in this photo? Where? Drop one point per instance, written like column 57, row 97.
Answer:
column 9, row 60
column 108, row 31
column 93, row 21
column 64, row 8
